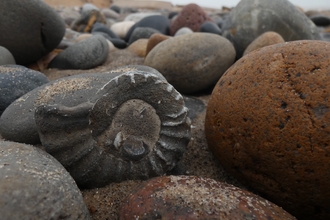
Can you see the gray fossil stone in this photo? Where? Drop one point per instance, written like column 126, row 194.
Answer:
column 137, row 129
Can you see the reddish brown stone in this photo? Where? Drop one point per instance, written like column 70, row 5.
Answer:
column 191, row 16
column 268, row 121
column 190, row 197
column 154, row 40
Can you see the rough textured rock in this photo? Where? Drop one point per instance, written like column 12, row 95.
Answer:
column 33, row 185
column 192, row 62
column 268, row 123
column 6, row 57
column 191, row 197
column 17, row 80
column 29, row 39
column 17, row 123
column 191, row 16
column 85, row 54
column 266, row 39
column 136, row 129
column 250, row 18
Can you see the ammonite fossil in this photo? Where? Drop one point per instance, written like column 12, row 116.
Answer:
column 137, row 129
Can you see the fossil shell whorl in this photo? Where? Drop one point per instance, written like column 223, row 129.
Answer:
column 137, row 130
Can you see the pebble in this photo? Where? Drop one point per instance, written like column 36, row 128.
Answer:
column 191, row 197
column 265, row 39
column 99, row 27
column 136, row 17
column 139, row 47
column 34, row 185
column 191, row 16
column 321, row 20
column 142, row 33
column 268, row 124
column 32, row 38
column 15, row 81
column 86, row 21
column 89, row 7
column 85, row 54
column 108, row 13
column 192, row 62
column 154, row 40
column 115, row 8
column 121, row 28
column 210, row 27
column 6, row 57
column 158, row 22
column 69, row 91
column 182, row 31
column 256, row 17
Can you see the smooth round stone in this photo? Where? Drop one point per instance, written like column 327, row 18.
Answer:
column 191, row 16
column 251, row 18
column 30, row 29
column 108, row 13
column 34, row 185
column 118, row 43
column 115, row 8
column 182, row 31
column 88, row 7
column 86, row 21
column 139, row 47
column 321, row 20
column 266, row 39
column 191, row 197
column 136, row 17
column 192, row 62
column 172, row 14
column 142, row 33
column 69, row 91
column 210, row 27
column 85, row 54
column 121, row 28
column 154, row 40
column 6, row 57
column 99, row 27
column 16, row 81
column 268, row 123
column 158, row 22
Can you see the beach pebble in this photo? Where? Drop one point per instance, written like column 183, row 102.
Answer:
column 69, row 91
column 6, row 57
column 268, row 124
column 16, row 81
column 192, row 62
column 191, row 16
column 34, row 185
column 88, row 7
column 69, row 15
column 142, row 33
column 85, row 54
column 210, row 27
column 136, row 17
column 154, row 40
column 256, row 17
column 30, row 29
column 121, row 28
column 191, row 197
column 108, row 13
column 265, row 39
column 115, row 8
column 321, row 20
column 99, row 27
column 182, row 31
column 86, row 21
column 158, row 22
column 139, row 47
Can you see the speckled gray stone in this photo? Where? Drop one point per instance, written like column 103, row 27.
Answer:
column 33, row 185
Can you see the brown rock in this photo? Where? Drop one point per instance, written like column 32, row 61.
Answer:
column 191, row 197
column 191, row 16
column 154, row 40
column 266, row 39
column 139, row 47
column 268, row 123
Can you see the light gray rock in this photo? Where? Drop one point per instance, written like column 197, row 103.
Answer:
column 182, row 31
column 192, row 62
column 34, row 185
column 30, row 29
column 85, row 54
column 6, row 57
column 88, row 7
column 250, row 18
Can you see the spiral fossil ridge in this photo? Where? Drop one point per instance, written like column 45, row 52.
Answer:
column 136, row 129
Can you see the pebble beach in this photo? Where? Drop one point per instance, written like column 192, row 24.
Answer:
column 247, row 89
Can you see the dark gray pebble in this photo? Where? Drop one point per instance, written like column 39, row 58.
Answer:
column 142, row 33
column 210, row 27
